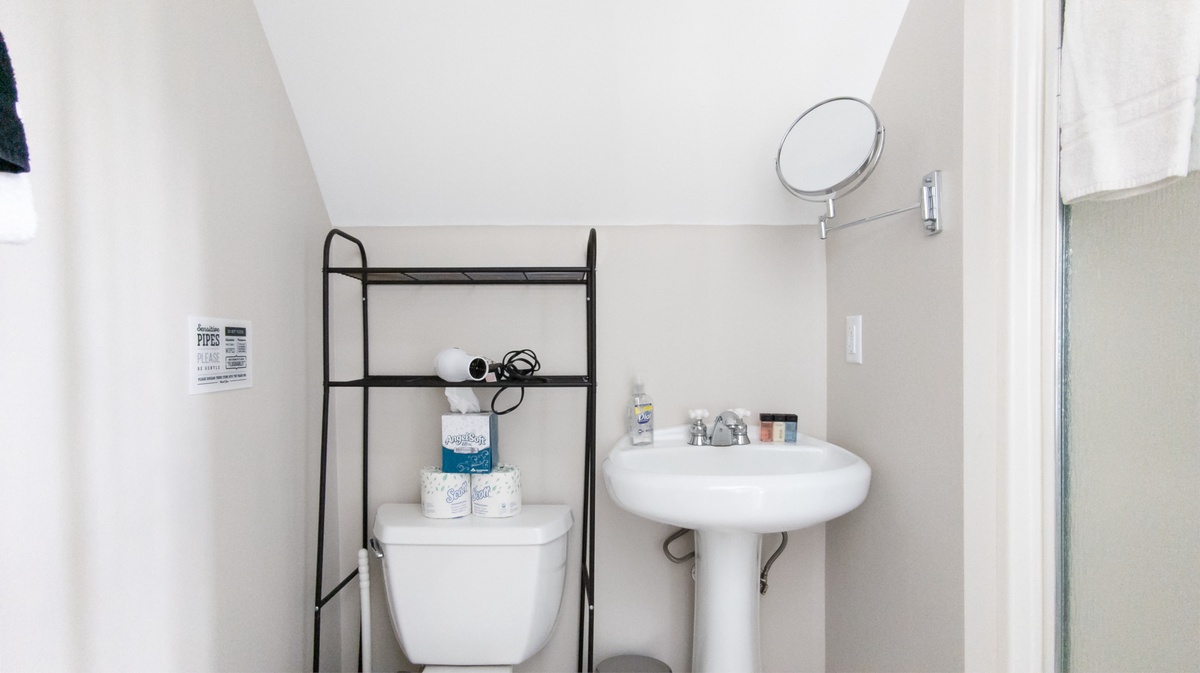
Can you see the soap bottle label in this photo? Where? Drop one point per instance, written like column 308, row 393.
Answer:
column 644, row 413
column 641, row 427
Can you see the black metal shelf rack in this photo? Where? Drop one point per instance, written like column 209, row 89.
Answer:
column 584, row 276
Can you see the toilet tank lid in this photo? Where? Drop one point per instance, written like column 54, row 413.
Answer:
column 403, row 523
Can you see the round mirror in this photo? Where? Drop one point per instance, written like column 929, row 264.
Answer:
column 830, row 149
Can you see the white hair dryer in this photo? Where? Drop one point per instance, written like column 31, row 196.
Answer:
column 454, row 365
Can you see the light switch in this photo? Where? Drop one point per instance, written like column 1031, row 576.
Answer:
column 854, row 339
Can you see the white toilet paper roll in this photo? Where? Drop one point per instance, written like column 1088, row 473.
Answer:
column 498, row 493
column 445, row 495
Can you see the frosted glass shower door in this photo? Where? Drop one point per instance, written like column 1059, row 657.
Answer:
column 1132, row 433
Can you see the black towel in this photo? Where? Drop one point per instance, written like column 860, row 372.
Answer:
column 14, row 152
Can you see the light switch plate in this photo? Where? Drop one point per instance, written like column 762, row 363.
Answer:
column 854, row 339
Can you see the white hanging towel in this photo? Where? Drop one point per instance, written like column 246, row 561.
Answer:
column 18, row 221
column 1128, row 109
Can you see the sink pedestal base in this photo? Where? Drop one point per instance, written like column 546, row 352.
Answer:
column 725, row 632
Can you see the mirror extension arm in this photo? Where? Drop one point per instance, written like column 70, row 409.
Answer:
column 930, row 206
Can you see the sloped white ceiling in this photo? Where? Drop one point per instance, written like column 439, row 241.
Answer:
column 550, row 112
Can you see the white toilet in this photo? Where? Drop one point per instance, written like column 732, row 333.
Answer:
column 474, row 591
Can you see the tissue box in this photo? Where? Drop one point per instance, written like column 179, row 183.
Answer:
column 468, row 442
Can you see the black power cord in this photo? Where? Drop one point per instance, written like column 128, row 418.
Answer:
column 517, row 366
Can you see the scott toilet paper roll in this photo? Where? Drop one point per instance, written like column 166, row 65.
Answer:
column 445, row 495
column 498, row 493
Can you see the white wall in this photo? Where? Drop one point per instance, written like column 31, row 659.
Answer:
column 143, row 528
column 894, row 583
column 715, row 317
column 548, row 113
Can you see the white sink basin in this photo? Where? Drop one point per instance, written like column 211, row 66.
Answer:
column 730, row 496
column 756, row 488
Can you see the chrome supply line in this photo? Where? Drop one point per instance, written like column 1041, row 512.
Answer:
column 762, row 579
column 666, row 546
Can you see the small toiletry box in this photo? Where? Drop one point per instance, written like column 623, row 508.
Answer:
column 468, row 442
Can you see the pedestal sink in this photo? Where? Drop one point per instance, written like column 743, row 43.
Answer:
column 730, row 496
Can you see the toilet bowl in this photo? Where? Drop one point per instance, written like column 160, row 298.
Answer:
column 473, row 591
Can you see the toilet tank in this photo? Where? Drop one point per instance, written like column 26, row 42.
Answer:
column 473, row 591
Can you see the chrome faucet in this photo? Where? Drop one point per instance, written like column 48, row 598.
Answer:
column 729, row 429
column 699, row 433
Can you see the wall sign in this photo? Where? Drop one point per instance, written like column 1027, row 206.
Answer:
column 220, row 355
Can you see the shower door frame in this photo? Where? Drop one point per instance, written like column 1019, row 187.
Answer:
column 1011, row 327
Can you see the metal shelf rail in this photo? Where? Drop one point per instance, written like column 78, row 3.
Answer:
column 371, row 276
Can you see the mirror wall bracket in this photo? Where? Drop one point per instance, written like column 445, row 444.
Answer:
column 930, row 205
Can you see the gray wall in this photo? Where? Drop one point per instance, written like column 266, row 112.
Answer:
column 894, row 566
column 716, row 317
column 1133, row 441
column 143, row 528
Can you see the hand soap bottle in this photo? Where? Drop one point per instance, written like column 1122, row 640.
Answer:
column 641, row 415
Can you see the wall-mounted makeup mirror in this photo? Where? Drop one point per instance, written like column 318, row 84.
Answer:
column 830, row 149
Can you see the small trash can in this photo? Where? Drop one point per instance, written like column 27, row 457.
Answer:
column 632, row 663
